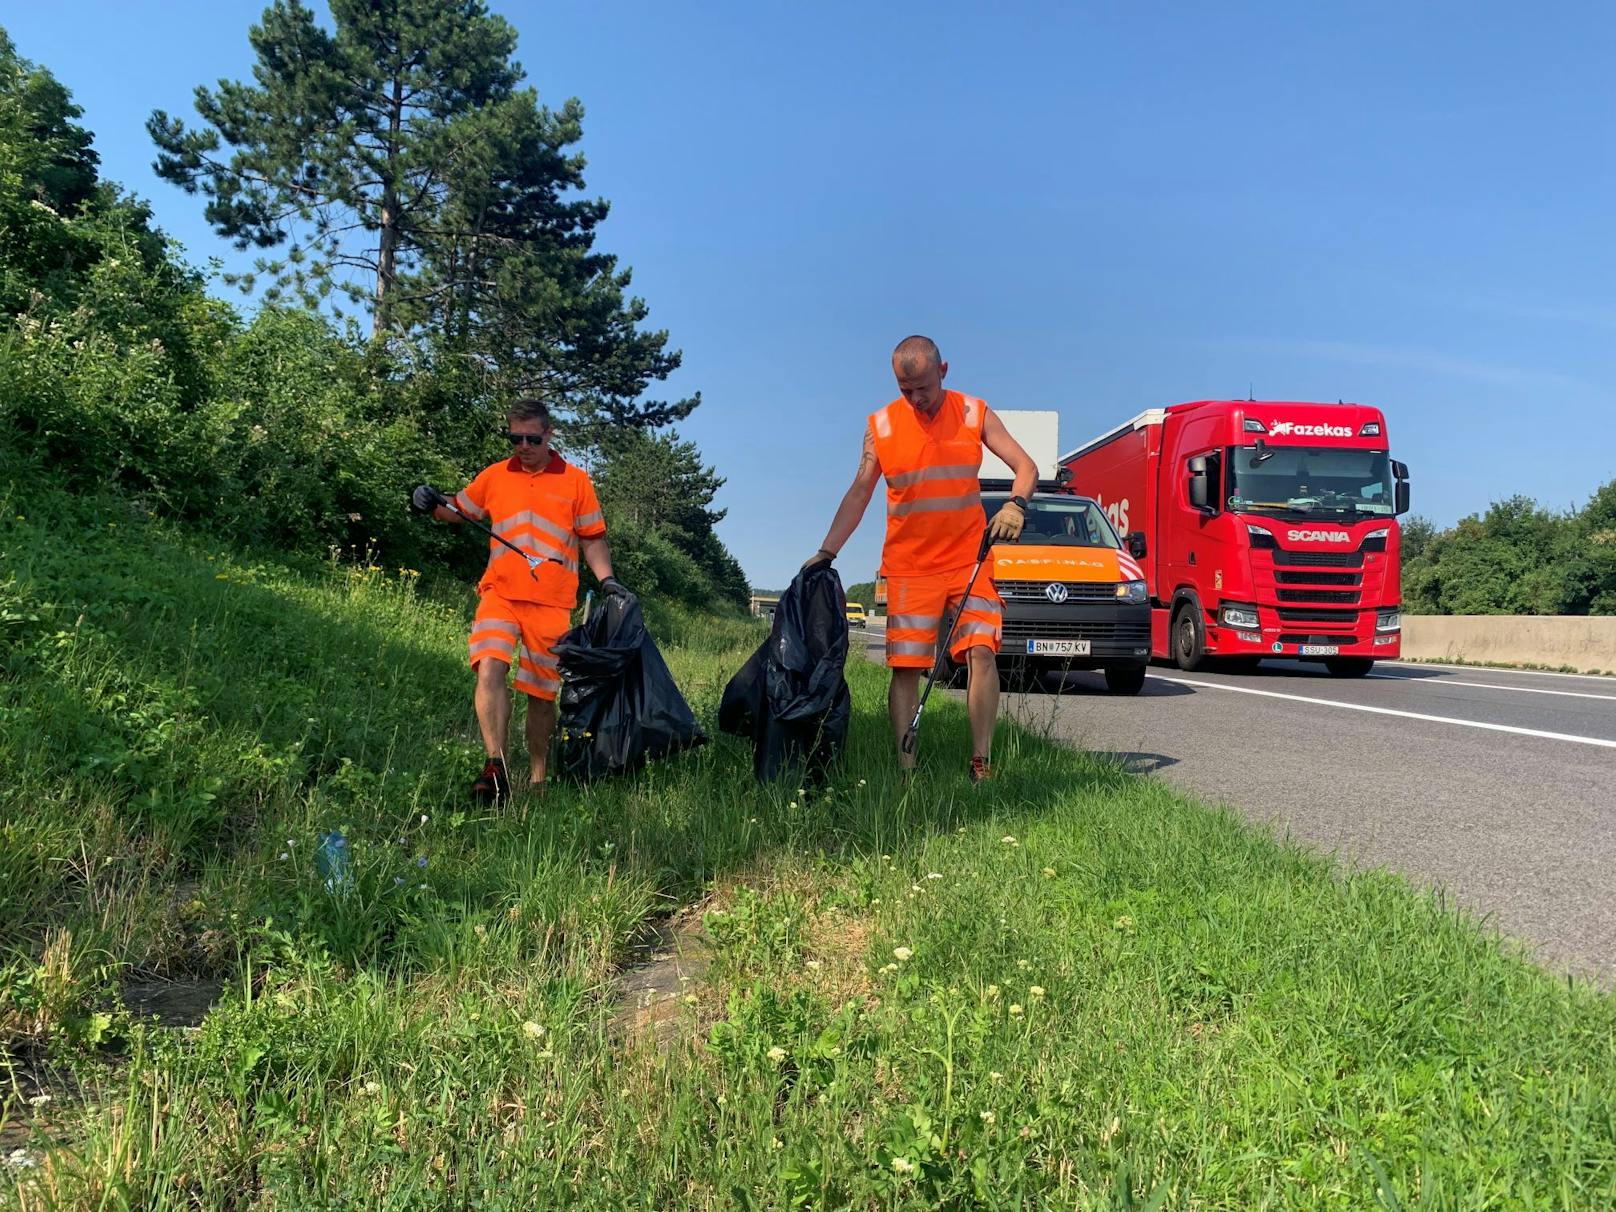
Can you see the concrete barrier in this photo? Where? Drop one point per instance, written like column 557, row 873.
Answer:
column 1584, row 643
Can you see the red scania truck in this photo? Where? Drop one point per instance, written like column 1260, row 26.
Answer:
column 1265, row 528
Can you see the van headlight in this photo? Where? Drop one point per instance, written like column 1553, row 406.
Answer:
column 1132, row 591
column 1241, row 617
column 1389, row 620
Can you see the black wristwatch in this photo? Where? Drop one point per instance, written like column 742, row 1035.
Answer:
column 1020, row 503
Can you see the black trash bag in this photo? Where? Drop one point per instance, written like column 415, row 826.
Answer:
column 791, row 698
column 619, row 706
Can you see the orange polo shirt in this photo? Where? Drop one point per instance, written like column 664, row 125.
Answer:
column 544, row 513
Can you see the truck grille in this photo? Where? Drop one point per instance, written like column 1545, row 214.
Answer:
column 1318, row 578
column 1344, row 597
column 1318, row 559
column 1337, row 618
column 1311, row 638
column 1076, row 591
column 1077, row 629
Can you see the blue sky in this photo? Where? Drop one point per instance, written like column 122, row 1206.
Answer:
column 1092, row 208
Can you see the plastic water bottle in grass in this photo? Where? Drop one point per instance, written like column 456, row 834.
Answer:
column 331, row 860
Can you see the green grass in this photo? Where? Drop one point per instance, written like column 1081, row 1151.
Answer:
column 1135, row 1000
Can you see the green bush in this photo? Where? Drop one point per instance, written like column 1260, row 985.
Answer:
column 1517, row 558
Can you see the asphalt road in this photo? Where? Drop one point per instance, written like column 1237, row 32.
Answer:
column 1499, row 786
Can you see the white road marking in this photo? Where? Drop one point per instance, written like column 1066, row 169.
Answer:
column 1407, row 715
column 1570, row 694
column 1493, row 669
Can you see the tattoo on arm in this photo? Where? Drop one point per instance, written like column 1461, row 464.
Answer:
column 867, row 456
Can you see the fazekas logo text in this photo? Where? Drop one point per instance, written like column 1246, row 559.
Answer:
column 1318, row 536
column 1290, row 429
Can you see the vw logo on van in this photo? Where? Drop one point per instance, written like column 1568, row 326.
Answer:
column 1055, row 592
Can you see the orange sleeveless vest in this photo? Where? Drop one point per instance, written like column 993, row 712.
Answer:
column 934, row 510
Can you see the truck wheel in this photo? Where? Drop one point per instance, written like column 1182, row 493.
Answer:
column 1129, row 679
column 1189, row 638
column 1349, row 667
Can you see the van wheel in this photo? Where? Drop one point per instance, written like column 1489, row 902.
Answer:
column 1189, row 638
column 1128, row 679
column 1349, row 667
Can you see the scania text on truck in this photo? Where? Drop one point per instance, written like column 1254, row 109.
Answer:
column 1265, row 528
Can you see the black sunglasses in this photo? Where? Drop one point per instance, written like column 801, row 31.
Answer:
column 516, row 439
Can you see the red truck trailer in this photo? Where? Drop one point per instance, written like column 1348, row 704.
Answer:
column 1265, row 528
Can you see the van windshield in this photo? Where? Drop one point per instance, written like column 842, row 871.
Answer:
column 1054, row 521
column 1310, row 480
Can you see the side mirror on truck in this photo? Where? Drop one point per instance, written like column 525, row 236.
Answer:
column 1136, row 544
column 1400, row 473
column 1200, row 486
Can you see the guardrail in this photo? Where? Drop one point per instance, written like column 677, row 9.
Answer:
column 1586, row 644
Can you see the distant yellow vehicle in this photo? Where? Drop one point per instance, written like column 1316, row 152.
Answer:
column 855, row 614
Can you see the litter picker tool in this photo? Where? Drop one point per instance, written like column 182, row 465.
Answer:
column 913, row 734
column 533, row 562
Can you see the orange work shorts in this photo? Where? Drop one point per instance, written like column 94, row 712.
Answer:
column 917, row 608
column 501, row 624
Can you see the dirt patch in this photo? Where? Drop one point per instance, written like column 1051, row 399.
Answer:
column 653, row 987
column 839, row 943
column 181, row 1003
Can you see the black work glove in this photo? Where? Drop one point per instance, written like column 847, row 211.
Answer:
column 612, row 587
column 426, row 498
column 819, row 557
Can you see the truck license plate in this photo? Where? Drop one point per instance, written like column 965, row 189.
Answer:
column 1320, row 649
column 1057, row 648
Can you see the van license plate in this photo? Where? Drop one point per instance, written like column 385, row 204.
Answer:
column 1320, row 649
column 1057, row 648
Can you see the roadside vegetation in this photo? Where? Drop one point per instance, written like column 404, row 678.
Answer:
column 1071, row 987
column 290, row 429
column 1517, row 558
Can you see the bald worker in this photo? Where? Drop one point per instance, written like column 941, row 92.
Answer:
column 928, row 446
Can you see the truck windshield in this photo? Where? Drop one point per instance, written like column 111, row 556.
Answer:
column 1060, row 521
column 1310, row 480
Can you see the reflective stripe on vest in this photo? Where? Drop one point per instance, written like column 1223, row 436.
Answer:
column 934, row 508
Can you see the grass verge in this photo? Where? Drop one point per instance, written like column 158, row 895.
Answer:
column 1071, row 987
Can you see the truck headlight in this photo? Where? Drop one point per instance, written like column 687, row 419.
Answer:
column 1133, row 591
column 1241, row 617
column 1389, row 620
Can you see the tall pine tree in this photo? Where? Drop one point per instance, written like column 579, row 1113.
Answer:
column 395, row 159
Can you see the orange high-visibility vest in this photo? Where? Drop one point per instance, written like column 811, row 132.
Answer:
column 934, row 509
column 542, row 512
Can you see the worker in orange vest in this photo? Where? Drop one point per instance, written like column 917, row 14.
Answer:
column 928, row 446
column 547, row 507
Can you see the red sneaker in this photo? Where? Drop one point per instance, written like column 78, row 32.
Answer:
column 493, row 786
column 981, row 772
